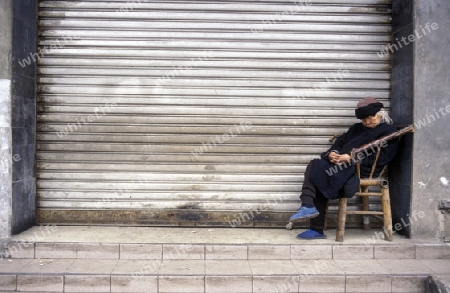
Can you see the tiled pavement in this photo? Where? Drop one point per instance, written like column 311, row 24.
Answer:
column 127, row 259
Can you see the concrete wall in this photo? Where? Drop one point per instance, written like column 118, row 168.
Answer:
column 23, row 112
column 5, row 120
column 402, row 97
column 17, row 117
column 431, row 165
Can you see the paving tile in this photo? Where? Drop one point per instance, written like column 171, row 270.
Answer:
column 7, row 282
column 22, row 249
column 13, row 265
column 408, row 284
column 226, row 252
column 92, row 266
column 227, row 267
column 361, row 267
column 87, row 284
column 264, row 284
column 322, row 284
column 56, row 250
column 311, row 252
column 127, row 284
column 394, row 251
column 269, row 252
column 309, row 267
column 272, row 267
column 141, row 251
column 182, row 267
column 352, row 252
column 47, row 266
column 98, row 250
column 181, row 284
column 137, row 267
column 183, row 251
column 361, row 284
column 404, row 266
column 429, row 251
column 438, row 266
column 228, row 284
column 40, row 283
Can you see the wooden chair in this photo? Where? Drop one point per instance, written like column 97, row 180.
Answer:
column 380, row 181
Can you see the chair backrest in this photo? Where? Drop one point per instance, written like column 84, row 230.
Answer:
column 378, row 144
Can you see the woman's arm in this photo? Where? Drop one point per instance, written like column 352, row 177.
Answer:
column 335, row 149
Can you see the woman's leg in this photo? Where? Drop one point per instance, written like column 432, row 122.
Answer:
column 317, row 223
column 313, row 199
column 307, row 210
column 308, row 189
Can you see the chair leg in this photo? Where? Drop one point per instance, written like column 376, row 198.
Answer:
column 366, row 219
column 342, row 214
column 387, row 215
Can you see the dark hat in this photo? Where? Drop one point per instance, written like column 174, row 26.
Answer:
column 367, row 107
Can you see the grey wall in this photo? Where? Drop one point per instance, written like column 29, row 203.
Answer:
column 431, row 165
column 23, row 113
column 5, row 121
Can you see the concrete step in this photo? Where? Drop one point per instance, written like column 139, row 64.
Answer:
column 163, row 260
column 169, row 251
column 100, row 275
column 206, row 243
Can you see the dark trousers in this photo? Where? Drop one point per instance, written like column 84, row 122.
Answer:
column 312, row 196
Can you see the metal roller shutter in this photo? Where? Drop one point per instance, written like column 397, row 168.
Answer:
column 196, row 112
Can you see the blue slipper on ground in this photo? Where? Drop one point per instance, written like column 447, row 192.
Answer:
column 304, row 213
column 311, row 234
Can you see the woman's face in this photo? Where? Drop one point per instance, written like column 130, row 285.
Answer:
column 371, row 121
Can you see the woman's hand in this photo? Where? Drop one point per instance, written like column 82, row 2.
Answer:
column 336, row 158
column 344, row 158
column 333, row 157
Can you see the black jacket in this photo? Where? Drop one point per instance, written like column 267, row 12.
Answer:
column 330, row 178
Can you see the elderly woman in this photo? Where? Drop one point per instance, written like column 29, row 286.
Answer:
column 334, row 174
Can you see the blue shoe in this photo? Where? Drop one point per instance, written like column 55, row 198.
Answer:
column 304, row 213
column 311, row 234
